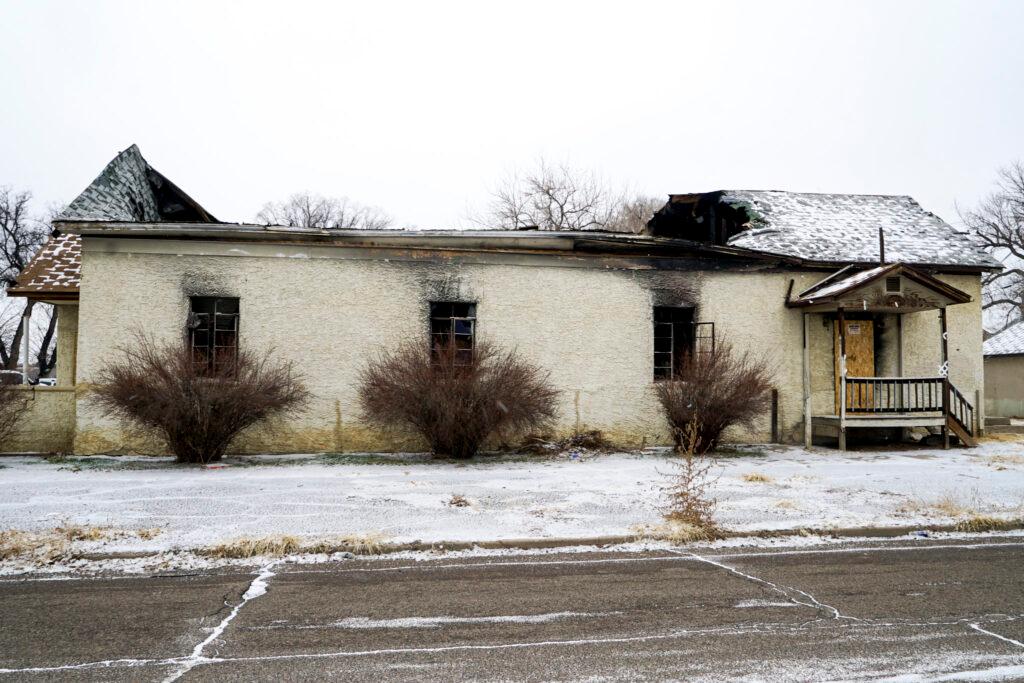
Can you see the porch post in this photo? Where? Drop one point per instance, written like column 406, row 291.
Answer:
column 25, row 320
column 899, row 344
column 808, row 426
column 944, row 371
column 842, row 379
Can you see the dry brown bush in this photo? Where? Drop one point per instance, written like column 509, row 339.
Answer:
column 197, row 411
column 715, row 390
column 456, row 407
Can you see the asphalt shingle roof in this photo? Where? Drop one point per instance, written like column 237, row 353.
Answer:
column 843, row 228
column 56, row 269
column 1008, row 342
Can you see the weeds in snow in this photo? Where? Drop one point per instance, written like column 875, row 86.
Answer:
column 690, row 509
column 786, row 504
column 979, row 523
column 757, row 478
column 80, row 532
column 1000, row 462
column 458, row 501
column 278, row 546
column 675, row 532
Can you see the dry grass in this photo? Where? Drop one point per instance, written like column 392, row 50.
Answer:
column 148, row 534
column 757, row 478
column 278, row 546
column 950, row 506
column 1000, row 462
column 81, row 532
column 458, row 501
column 1003, row 438
column 786, row 505
column 978, row 523
column 676, row 532
column 43, row 548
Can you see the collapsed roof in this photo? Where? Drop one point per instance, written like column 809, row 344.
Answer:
column 127, row 190
column 826, row 228
column 129, row 195
column 130, row 190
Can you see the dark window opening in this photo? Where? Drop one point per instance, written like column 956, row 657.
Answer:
column 893, row 285
column 213, row 333
column 453, row 329
column 677, row 335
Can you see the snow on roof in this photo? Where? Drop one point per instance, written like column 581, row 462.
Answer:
column 1007, row 343
column 849, row 282
column 55, row 270
column 843, row 228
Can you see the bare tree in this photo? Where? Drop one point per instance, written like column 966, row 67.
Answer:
column 559, row 197
column 307, row 210
column 21, row 236
column 998, row 221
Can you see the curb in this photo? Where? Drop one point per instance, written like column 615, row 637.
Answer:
column 603, row 541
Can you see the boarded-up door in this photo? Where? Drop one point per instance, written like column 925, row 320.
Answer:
column 860, row 359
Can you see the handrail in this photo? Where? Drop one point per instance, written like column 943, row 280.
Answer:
column 882, row 395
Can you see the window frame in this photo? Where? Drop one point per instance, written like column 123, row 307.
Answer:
column 686, row 336
column 454, row 324
column 216, row 325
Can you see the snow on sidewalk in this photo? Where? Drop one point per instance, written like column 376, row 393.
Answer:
column 316, row 497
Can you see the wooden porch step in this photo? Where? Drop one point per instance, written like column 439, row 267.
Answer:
column 954, row 426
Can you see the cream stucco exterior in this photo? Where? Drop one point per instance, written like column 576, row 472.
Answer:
column 587, row 319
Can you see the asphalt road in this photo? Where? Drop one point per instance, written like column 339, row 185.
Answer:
column 860, row 611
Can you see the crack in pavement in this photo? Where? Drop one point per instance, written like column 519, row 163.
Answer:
column 977, row 627
column 257, row 588
column 814, row 603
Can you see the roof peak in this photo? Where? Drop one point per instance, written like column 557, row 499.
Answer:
column 129, row 189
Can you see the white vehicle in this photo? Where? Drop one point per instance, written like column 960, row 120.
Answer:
column 47, row 381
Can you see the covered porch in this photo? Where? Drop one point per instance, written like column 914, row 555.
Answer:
column 866, row 310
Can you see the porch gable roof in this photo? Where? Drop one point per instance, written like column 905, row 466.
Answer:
column 893, row 288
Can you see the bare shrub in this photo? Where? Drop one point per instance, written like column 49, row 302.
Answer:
column 715, row 390
column 690, row 508
column 13, row 403
column 198, row 411
column 454, row 406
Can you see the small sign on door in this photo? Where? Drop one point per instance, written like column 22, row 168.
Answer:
column 853, row 328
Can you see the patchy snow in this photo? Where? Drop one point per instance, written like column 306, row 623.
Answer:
column 407, row 498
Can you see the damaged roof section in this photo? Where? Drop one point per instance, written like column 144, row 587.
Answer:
column 127, row 190
column 55, row 272
column 825, row 228
column 130, row 190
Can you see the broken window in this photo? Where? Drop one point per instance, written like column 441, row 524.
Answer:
column 213, row 332
column 676, row 335
column 453, row 326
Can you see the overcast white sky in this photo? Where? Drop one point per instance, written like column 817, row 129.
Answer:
column 420, row 107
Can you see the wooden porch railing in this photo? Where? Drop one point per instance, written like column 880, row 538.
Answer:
column 903, row 395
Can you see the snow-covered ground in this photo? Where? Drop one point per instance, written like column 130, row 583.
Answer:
column 327, row 497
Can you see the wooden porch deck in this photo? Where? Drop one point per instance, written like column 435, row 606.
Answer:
column 899, row 402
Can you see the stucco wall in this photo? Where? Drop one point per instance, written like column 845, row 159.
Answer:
column 1004, row 386
column 48, row 423
column 330, row 308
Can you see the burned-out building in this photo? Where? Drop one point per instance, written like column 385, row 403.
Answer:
column 856, row 338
